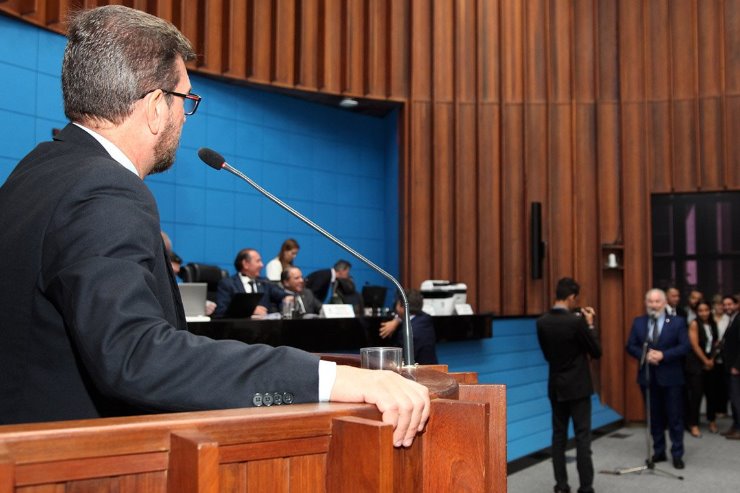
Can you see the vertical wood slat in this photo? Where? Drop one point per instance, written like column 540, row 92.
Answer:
column 512, row 218
column 333, row 61
column 421, row 50
column 559, row 24
column 193, row 464
column 307, row 474
column 375, row 472
column 443, row 55
column 308, row 50
column 262, row 49
column 399, row 27
column 239, row 50
column 456, row 460
column 419, row 197
column 495, row 396
column 490, row 249
column 489, row 56
column 211, row 33
column 285, row 42
column 355, row 62
column 7, row 471
column 267, row 475
column 377, row 49
column 443, row 190
column 465, row 223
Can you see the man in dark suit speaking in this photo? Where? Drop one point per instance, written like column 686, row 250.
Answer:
column 92, row 321
column 667, row 344
column 567, row 339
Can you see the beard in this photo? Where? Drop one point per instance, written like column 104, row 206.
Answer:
column 654, row 313
column 166, row 148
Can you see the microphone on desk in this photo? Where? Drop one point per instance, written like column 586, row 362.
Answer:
column 217, row 162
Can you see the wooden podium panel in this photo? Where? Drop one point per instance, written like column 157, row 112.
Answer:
column 327, row 448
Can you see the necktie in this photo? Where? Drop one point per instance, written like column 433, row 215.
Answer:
column 299, row 304
column 253, row 285
column 653, row 330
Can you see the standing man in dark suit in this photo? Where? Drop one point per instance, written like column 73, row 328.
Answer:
column 325, row 282
column 731, row 358
column 567, row 338
column 92, row 321
column 667, row 344
column 673, row 300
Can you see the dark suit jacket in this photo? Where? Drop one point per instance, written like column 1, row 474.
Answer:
column 319, row 282
column 731, row 345
column 230, row 286
column 566, row 342
column 91, row 319
column 275, row 296
column 673, row 342
column 424, row 336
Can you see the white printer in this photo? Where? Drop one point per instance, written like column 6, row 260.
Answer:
column 441, row 297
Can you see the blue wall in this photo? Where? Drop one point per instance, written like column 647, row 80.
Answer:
column 337, row 167
column 513, row 357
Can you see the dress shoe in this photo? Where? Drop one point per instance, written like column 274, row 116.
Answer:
column 659, row 458
column 733, row 435
column 727, row 431
column 694, row 431
column 558, row 489
column 678, row 463
column 713, row 427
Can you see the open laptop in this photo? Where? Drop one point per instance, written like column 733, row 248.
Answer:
column 193, row 296
column 242, row 305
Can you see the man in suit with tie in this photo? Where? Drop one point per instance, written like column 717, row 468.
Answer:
column 93, row 323
column 673, row 298
column 567, row 337
column 248, row 265
column 731, row 357
column 330, row 282
column 660, row 342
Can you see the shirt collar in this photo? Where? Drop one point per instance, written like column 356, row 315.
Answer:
column 116, row 153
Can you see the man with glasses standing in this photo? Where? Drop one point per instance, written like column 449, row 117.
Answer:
column 92, row 321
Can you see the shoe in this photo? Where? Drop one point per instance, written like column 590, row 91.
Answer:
column 727, row 431
column 558, row 489
column 659, row 458
column 733, row 435
column 694, row 431
column 678, row 463
column 713, row 427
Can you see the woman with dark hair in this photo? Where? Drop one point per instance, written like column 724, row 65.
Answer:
column 702, row 379
column 288, row 253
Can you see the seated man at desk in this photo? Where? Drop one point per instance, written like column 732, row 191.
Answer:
column 422, row 325
column 248, row 265
column 293, row 290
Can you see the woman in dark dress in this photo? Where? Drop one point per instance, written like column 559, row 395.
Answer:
column 701, row 377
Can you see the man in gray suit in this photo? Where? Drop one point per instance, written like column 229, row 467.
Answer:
column 92, row 321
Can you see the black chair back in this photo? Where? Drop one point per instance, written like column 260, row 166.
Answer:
column 210, row 274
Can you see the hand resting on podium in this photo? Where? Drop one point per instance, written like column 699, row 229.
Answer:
column 403, row 403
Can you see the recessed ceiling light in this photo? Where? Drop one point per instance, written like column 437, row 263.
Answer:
column 348, row 103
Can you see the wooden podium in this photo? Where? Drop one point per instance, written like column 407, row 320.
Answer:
column 298, row 448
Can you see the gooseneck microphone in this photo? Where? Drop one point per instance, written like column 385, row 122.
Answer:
column 217, row 162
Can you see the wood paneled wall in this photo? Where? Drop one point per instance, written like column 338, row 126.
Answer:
column 587, row 106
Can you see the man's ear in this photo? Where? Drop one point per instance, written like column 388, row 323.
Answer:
column 155, row 112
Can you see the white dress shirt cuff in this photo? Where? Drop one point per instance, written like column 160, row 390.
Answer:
column 327, row 376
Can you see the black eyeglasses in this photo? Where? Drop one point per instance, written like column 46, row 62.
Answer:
column 190, row 101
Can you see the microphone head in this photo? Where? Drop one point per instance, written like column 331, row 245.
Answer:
column 211, row 158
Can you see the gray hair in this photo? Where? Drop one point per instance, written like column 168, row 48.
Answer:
column 115, row 55
column 655, row 290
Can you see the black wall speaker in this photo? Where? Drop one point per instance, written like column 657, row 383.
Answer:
column 537, row 246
